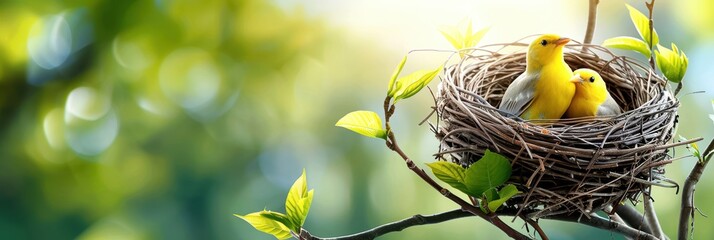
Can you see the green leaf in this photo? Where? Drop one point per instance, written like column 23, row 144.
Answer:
column 279, row 217
column 366, row 123
column 486, row 198
column 507, row 192
column 672, row 63
column 491, row 171
column 297, row 204
column 266, row 225
column 413, row 83
column 391, row 87
column 491, row 194
column 628, row 43
column 693, row 148
column 451, row 173
column 473, row 40
column 454, row 37
column 463, row 39
column 642, row 23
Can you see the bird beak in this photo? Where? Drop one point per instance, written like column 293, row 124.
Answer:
column 562, row 41
column 576, row 79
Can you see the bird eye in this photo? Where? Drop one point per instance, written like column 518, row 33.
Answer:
column 592, row 79
column 543, row 42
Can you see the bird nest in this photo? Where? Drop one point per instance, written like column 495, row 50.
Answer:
column 565, row 166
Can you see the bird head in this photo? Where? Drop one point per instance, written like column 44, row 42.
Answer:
column 545, row 49
column 589, row 82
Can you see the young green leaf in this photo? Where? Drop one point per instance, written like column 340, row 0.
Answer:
column 473, row 39
column 463, row 39
column 366, row 123
column 488, row 196
column 266, row 225
column 628, row 43
column 491, row 171
column 491, row 194
column 642, row 23
column 391, row 89
column 297, row 204
column 507, row 192
column 672, row 63
column 413, row 83
column 279, row 217
column 454, row 37
column 693, row 149
column 451, row 173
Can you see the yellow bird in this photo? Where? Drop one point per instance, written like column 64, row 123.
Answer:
column 591, row 96
column 543, row 91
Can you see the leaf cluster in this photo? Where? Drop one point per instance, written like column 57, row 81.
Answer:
column 465, row 39
column 672, row 63
column 297, row 205
column 483, row 180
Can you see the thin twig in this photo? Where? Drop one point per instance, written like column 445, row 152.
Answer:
column 650, row 8
column 650, row 213
column 536, row 226
column 613, row 216
column 592, row 17
column 633, row 218
column 687, row 210
column 651, row 216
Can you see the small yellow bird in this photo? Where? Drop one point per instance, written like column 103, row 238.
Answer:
column 543, row 91
column 591, row 96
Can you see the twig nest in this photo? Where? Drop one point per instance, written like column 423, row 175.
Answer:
column 572, row 165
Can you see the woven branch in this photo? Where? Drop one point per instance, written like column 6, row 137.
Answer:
column 567, row 166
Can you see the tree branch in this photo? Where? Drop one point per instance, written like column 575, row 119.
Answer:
column 651, row 216
column 592, row 17
column 650, row 8
column 418, row 220
column 415, row 220
column 594, row 221
column 606, row 224
column 603, row 223
column 687, row 210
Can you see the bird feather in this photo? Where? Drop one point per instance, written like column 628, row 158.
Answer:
column 519, row 94
column 609, row 107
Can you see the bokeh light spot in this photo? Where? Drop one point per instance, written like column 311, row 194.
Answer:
column 90, row 138
column 53, row 125
column 190, row 78
column 50, row 41
column 129, row 54
column 116, row 227
column 90, row 124
column 88, row 104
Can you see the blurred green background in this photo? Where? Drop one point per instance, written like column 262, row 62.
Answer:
column 160, row 119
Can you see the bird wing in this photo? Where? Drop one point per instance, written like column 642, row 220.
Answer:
column 519, row 94
column 609, row 107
